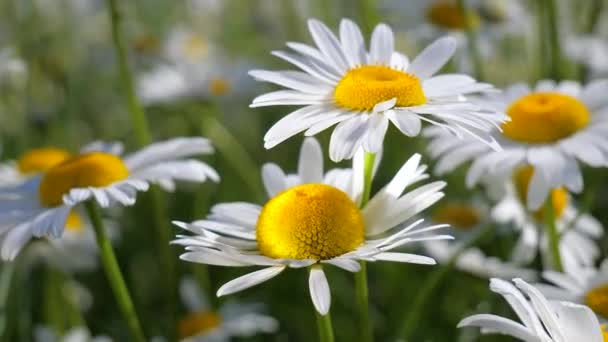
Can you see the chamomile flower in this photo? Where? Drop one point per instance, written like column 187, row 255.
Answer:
column 583, row 285
column 202, row 323
column 41, row 205
column 342, row 83
column 541, row 320
column 313, row 219
column 467, row 219
column 591, row 51
column 554, row 127
column 578, row 230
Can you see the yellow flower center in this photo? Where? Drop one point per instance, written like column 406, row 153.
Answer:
column 447, row 15
column 597, row 300
column 195, row 47
column 364, row 87
column 311, row 221
column 459, row 216
column 545, row 118
column 219, row 86
column 74, row 222
column 604, row 332
column 198, row 323
column 94, row 169
column 559, row 196
column 41, row 159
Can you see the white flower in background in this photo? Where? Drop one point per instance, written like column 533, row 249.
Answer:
column 313, row 219
column 466, row 219
column 41, row 205
column 203, row 324
column 342, row 83
column 583, row 285
column 578, row 230
column 554, row 128
column 76, row 334
column 541, row 320
column 186, row 46
column 11, row 66
column 591, row 51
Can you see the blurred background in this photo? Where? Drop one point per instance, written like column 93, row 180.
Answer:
column 59, row 86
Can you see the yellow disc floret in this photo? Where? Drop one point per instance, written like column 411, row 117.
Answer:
column 364, row 87
column 447, row 15
column 458, row 215
column 74, row 222
column 311, row 221
column 545, row 118
column 198, row 323
column 94, row 169
column 219, row 86
column 559, row 196
column 41, row 159
column 597, row 300
column 605, row 332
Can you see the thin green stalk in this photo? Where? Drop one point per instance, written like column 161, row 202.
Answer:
column 416, row 311
column 541, row 19
column 361, row 288
column 234, row 153
column 140, row 123
column 143, row 136
column 326, row 331
column 554, row 41
column 553, row 235
column 6, row 276
column 110, row 265
column 471, row 40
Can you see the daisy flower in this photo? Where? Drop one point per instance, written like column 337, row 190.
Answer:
column 591, row 51
column 554, row 127
column 586, row 285
column 541, row 320
column 466, row 219
column 313, row 219
column 202, row 323
column 41, row 205
column 578, row 230
column 342, row 83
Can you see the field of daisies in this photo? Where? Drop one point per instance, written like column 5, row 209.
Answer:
column 303, row 170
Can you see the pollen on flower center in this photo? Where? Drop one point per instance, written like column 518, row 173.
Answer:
column 311, row 221
column 597, row 300
column 559, row 196
column 545, row 118
column 446, row 14
column 458, row 216
column 41, row 159
column 364, row 87
column 94, row 169
column 198, row 323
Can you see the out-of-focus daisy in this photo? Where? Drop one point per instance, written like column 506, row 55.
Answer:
column 342, row 83
column 76, row 334
column 591, row 51
column 466, row 219
column 202, row 323
column 583, row 285
column 541, row 320
column 184, row 45
column 41, row 205
column 11, row 66
column 578, row 230
column 554, row 128
column 313, row 219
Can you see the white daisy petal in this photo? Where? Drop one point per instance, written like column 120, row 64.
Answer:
column 249, row 280
column 407, row 122
column 328, row 44
column 310, row 163
column 319, row 290
column 273, row 178
column 433, row 58
column 345, row 264
column 352, row 43
column 382, row 45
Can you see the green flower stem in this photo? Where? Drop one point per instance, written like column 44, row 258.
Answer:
column 113, row 273
column 541, row 19
column 471, row 33
column 369, row 15
column 415, row 312
column 140, row 123
column 234, row 153
column 555, row 44
column 143, row 136
column 361, row 288
column 6, row 275
column 553, row 235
